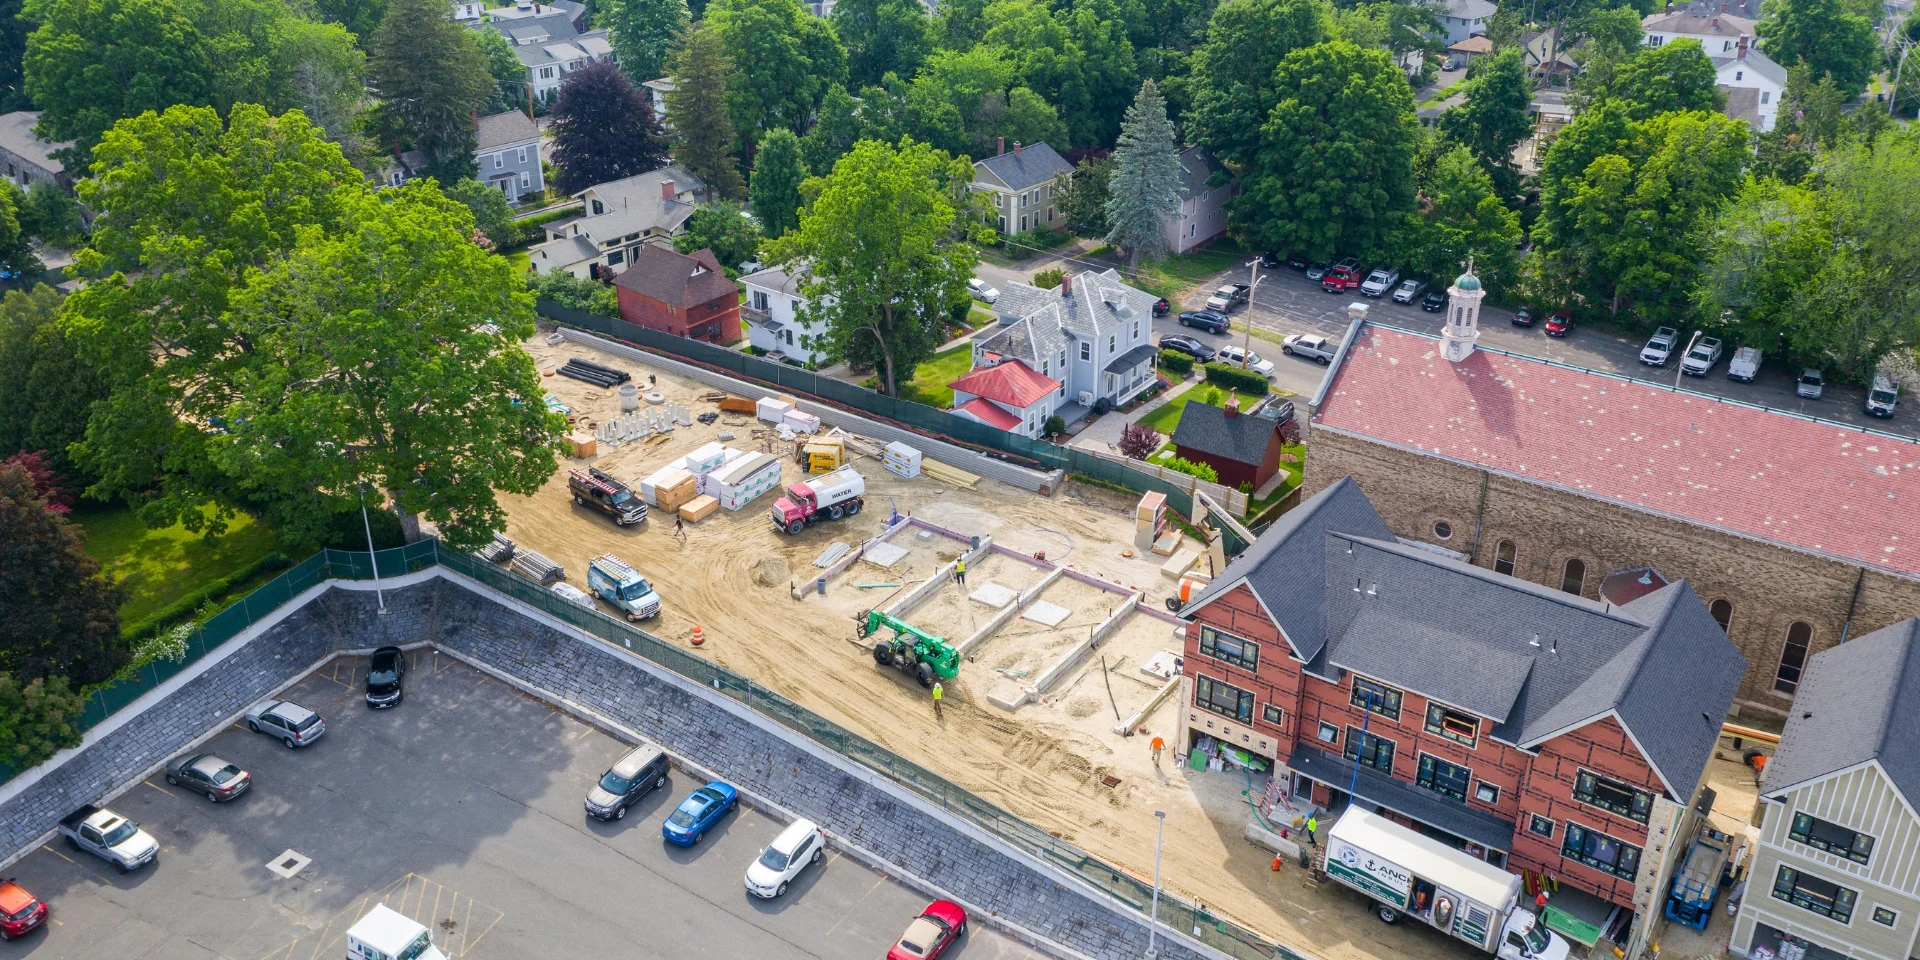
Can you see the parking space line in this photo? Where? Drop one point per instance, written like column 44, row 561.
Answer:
column 49, row 848
column 476, row 940
column 855, row 905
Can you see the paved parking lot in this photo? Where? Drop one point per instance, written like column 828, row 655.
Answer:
column 462, row 809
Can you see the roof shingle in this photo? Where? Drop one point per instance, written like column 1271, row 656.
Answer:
column 676, row 279
column 1858, row 701
column 1027, row 167
column 1242, row 439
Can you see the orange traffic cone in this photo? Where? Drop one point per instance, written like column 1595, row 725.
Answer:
column 698, row 637
column 1276, row 863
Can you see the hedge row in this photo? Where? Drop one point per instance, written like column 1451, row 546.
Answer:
column 1173, row 361
column 1245, row 382
column 190, row 604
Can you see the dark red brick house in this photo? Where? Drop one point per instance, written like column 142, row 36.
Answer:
column 1555, row 735
column 681, row 294
column 1241, row 448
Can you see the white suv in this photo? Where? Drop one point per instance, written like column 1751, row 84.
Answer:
column 799, row 845
column 1233, row 355
column 1380, row 281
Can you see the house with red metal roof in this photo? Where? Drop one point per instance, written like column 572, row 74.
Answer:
column 1009, row 395
column 1797, row 532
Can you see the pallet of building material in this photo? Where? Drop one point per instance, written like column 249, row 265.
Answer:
column 801, row 421
column 902, row 460
column 738, row 483
column 857, row 444
column 666, row 477
column 537, row 568
column 677, row 495
column 618, row 375
column 499, row 551
column 832, row 554
column 948, row 474
column 698, row 509
column 771, row 410
column 730, row 404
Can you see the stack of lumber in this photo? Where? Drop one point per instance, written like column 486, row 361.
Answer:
column 732, row 404
column 499, row 551
column 699, row 508
column 537, row 568
column 594, row 373
column 948, row 474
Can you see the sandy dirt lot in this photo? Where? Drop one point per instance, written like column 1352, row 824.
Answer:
column 732, row 573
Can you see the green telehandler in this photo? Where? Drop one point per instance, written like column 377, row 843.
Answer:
column 911, row 648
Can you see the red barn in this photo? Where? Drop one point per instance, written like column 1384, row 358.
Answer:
column 688, row 296
column 1240, row 448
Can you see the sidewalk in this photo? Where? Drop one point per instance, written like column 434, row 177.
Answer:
column 1103, row 434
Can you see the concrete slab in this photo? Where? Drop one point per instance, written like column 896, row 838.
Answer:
column 1050, row 614
column 884, row 555
column 993, row 595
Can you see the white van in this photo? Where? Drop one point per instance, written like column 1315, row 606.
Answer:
column 1882, row 396
column 387, row 934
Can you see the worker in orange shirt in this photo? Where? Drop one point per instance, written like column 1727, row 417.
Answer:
column 1158, row 745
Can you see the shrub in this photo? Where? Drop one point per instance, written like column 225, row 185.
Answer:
column 1238, row 380
column 36, row 720
column 1050, row 278
column 208, row 595
column 1210, row 395
column 1138, row 440
column 1173, row 361
column 1204, row 471
column 574, row 293
column 1055, row 426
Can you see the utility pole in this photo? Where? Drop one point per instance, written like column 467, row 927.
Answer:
column 1246, row 343
column 1680, row 368
column 1153, row 918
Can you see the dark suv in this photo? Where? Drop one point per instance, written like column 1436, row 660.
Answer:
column 642, row 769
column 385, row 670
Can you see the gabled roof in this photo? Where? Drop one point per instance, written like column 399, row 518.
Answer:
column 1196, row 166
column 1857, row 702
column 18, row 138
column 1011, row 382
column 637, row 204
column 1823, row 488
column 1478, row 43
column 1536, row 661
column 676, row 279
column 504, row 129
column 1471, row 9
column 1698, row 25
column 987, row 413
column 1028, row 167
column 543, row 40
column 1756, row 62
column 1241, row 439
column 1297, row 541
column 778, row 279
column 1039, row 323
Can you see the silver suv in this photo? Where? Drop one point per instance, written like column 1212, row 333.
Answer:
column 287, row 722
column 630, row 778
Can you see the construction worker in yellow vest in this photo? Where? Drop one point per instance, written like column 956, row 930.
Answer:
column 960, row 571
column 938, row 691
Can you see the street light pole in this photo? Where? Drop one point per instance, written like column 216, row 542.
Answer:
column 1680, row 368
column 1246, row 343
column 373, row 558
column 1153, row 918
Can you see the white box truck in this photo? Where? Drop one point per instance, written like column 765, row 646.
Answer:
column 1405, row 874
column 387, row 934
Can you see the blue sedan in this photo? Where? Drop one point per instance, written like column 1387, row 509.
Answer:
column 698, row 813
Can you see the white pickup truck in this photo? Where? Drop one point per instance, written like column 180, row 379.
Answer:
column 109, row 836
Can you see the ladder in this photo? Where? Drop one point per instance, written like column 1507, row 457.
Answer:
column 618, row 565
column 592, row 482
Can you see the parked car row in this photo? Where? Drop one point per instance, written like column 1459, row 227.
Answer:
column 1704, row 353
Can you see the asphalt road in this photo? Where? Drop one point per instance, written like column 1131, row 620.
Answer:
column 461, row 808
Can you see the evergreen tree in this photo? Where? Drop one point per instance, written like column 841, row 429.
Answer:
column 1145, row 190
column 431, row 78
column 643, row 33
column 603, row 129
column 777, row 173
column 703, row 139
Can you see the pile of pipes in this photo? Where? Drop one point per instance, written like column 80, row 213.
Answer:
column 499, row 551
column 643, row 423
column 537, row 568
column 596, row 374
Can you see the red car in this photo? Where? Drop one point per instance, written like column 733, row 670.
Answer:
column 931, row 933
column 1560, row 324
column 1342, row 276
column 21, row 912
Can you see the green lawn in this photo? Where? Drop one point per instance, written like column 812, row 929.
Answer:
column 930, row 379
column 522, row 262
column 1167, row 416
column 1172, row 276
column 159, row 566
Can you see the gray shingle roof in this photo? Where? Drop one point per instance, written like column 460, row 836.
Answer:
column 1039, row 323
column 1208, row 429
column 1035, row 164
column 1132, row 358
column 1757, row 62
column 1537, row 661
column 504, row 129
column 1857, row 702
column 1196, row 165
column 535, row 40
column 17, row 136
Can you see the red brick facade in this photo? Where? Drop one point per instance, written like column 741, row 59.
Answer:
column 1528, row 783
column 717, row 320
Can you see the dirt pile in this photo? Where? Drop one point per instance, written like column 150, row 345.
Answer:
column 771, row 571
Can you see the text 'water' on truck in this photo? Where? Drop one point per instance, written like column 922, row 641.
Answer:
column 825, row 497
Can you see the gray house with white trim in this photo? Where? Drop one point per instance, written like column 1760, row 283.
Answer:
column 1837, row 870
column 507, row 147
column 1022, row 187
column 1093, row 334
column 550, row 47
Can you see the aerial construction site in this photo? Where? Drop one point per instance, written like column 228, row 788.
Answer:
column 1063, row 664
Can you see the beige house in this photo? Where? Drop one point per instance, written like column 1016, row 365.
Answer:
column 1021, row 182
column 1837, row 870
column 617, row 219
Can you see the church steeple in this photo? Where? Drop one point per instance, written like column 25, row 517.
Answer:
column 1463, row 316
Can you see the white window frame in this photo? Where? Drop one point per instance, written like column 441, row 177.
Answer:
column 526, row 179
column 523, row 155
column 499, row 159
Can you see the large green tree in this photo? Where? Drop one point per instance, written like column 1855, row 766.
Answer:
column 13, row 50
column 720, row 227
column 698, row 110
column 278, row 333
column 1828, row 270
column 66, row 621
column 1233, row 71
column 1663, row 79
column 360, row 17
column 603, row 129
column 784, row 59
column 1497, row 114
column 886, row 237
column 46, row 391
column 1621, row 207
column 1333, row 171
column 1083, row 196
column 93, row 62
column 883, row 36
column 37, row 719
column 491, row 214
column 1824, row 36
column 778, row 173
column 1463, row 218
column 1077, row 58
column 510, row 88
column 1146, row 187
column 643, row 33
column 431, row 78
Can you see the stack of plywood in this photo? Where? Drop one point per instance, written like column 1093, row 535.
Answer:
column 669, row 477
column 949, row 474
column 680, row 492
column 704, row 460
column 737, row 483
column 772, row 409
column 699, row 508
column 903, row 460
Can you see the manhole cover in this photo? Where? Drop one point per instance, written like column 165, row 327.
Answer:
column 288, row 863
column 1109, row 781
